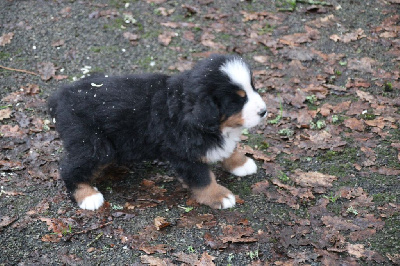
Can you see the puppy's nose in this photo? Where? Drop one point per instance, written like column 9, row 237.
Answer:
column 262, row 113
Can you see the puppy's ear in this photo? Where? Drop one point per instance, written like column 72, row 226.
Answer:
column 203, row 115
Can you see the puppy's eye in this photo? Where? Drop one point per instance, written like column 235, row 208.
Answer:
column 241, row 93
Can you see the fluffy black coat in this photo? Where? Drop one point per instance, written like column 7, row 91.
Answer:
column 104, row 120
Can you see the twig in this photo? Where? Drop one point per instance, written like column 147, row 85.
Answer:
column 94, row 240
column 19, row 70
column 312, row 2
column 86, row 231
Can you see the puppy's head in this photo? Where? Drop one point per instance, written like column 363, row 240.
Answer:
column 224, row 87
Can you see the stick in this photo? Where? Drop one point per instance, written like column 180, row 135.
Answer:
column 312, row 2
column 19, row 70
column 94, row 240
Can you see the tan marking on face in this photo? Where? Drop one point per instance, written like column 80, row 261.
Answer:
column 83, row 191
column 235, row 120
column 211, row 195
column 241, row 93
column 236, row 160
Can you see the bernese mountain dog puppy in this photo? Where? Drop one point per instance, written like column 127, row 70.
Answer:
column 190, row 120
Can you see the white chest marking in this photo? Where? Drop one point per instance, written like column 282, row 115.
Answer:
column 231, row 138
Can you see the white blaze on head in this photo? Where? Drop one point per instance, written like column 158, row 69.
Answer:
column 239, row 74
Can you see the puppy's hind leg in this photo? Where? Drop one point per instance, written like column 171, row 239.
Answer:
column 239, row 164
column 204, row 187
column 77, row 176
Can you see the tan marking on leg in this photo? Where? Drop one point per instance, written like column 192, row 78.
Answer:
column 83, row 191
column 211, row 195
column 236, row 160
column 235, row 120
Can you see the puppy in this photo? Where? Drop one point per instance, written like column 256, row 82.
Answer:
column 190, row 119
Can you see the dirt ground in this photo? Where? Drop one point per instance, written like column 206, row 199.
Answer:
column 328, row 187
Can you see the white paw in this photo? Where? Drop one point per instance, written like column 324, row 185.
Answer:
column 228, row 202
column 248, row 168
column 92, row 202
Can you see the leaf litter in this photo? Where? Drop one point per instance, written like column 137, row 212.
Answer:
column 352, row 93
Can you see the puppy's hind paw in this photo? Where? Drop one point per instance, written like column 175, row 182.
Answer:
column 88, row 197
column 215, row 196
column 92, row 202
column 248, row 168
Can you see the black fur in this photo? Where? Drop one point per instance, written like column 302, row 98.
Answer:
column 144, row 117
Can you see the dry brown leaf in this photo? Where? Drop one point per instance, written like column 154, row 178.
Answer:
column 260, row 187
column 155, row 261
column 356, row 250
column 377, row 122
column 31, row 89
column 5, row 113
column 133, row 38
column 363, row 65
column 165, row 12
column 237, row 234
column 318, row 181
column 166, row 37
column 156, row 1
column 58, row 43
column 205, row 260
column 348, row 37
column 161, row 222
column 46, row 70
column 263, row 59
column 6, row 38
column 189, row 259
column 339, row 224
column 11, row 131
column 160, row 248
column 354, row 124
column 207, row 39
column 6, row 221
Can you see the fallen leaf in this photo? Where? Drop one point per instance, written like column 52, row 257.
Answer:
column 354, row 124
column 363, row 65
column 260, row 187
column 318, row 181
column 56, row 225
column 133, row 38
column 11, row 131
column 6, row 221
column 6, row 38
column 154, row 260
column 160, row 248
column 356, row 250
column 58, row 43
column 166, row 37
column 338, row 223
column 165, row 12
column 160, row 223
column 207, row 39
column 237, row 234
column 348, row 37
column 31, row 89
column 156, row 1
column 5, row 113
column 189, row 259
column 46, row 70
column 205, row 260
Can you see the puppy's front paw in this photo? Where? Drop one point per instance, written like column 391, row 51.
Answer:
column 215, row 196
column 88, row 197
column 248, row 168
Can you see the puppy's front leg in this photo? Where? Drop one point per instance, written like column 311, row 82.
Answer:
column 239, row 164
column 204, row 187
